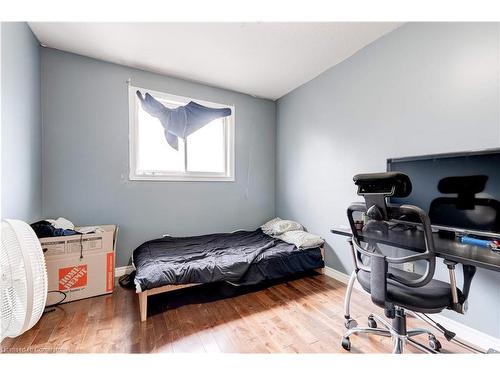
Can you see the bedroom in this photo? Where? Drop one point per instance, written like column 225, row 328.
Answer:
column 192, row 196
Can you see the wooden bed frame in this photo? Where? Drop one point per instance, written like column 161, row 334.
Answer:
column 143, row 296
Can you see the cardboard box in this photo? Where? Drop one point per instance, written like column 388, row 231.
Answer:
column 81, row 266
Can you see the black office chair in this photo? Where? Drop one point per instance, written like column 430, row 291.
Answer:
column 396, row 291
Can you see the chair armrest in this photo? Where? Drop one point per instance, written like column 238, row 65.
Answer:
column 421, row 281
column 460, row 306
column 469, row 272
column 409, row 258
column 428, row 255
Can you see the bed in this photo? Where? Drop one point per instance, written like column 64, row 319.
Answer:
column 240, row 258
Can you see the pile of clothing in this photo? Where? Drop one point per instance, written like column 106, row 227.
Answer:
column 60, row 227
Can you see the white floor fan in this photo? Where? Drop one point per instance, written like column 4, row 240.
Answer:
column 23, row 279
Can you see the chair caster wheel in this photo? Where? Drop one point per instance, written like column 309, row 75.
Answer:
column 371, row 322
column 346, row 343
column 434, row 344
column 350, row 323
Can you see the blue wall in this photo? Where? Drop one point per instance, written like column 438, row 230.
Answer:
column 423, row 88
column 86, row 158
column 21, row 123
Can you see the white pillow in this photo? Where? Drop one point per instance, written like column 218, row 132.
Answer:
column 268, row 226
column 301, row 239
column 284, row 226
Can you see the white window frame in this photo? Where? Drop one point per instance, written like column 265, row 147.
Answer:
column 135, row 175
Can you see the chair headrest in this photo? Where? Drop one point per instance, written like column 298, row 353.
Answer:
column 462, row 184
column 394, row 184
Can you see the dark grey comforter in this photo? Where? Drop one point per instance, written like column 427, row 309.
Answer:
column 241, row 257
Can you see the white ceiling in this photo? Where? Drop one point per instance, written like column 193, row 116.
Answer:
column 262, row 59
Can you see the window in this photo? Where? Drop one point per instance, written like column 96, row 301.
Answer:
column 204, row 155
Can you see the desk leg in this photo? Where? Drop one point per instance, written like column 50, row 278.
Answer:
column 349, row 322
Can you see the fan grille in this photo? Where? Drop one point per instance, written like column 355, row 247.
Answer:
column 22, row 273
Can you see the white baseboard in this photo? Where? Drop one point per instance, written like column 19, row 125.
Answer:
column 342, row 277
column 337, row 275
column 120, row 271
column 471, row 335
column 481, row 339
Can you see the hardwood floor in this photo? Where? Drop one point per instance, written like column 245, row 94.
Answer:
column 297, row 316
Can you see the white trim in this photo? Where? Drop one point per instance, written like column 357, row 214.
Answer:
column 229, row 134
column 120, row 271
column 337, row 275
column 481, row 339
column 342, row 277
column 471, row 335
column 184, row 177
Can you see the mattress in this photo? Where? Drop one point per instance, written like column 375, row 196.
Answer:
column 242, row 257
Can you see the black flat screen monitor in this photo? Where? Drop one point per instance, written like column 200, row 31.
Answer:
column 457, row 190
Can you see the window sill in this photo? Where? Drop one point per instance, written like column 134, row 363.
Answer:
column 179, row 178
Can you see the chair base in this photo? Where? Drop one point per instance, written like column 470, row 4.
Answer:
column 397, row 331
